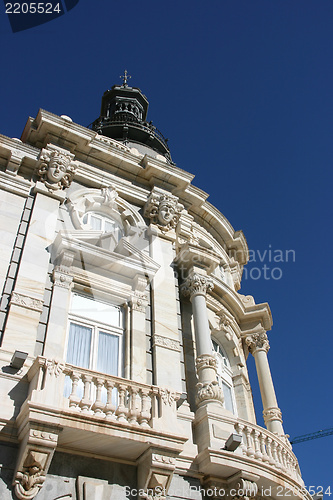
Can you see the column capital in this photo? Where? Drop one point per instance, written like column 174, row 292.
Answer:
column 197, row 284
column 257, row 342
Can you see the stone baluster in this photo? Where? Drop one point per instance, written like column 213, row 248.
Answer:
column 109, row 408
column 133, row 411
column 274, row 454
column 145, row 416
column 250, row 450
column 258, row 346
column 98, row 405
column 74, row 399
column 196, row 287
column 257, row 451
column 86, row 402
column 269, row 450
column 239, row 428
column 122, row 410
column 265, row 457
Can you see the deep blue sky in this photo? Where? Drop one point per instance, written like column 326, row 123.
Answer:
column 243, row 91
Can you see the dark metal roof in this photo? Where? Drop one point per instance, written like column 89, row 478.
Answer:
column 123, row 117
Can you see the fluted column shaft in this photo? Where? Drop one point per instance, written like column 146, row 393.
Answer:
column 196, row 287
column 258, row 345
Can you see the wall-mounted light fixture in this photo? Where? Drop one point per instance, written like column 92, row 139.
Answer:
column 18, row 359
column 233, row 441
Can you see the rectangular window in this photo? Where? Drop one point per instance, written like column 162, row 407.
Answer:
column 95, row 338
column 95, row 335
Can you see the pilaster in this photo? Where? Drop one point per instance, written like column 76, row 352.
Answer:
column 55, row 341
column 166, row 351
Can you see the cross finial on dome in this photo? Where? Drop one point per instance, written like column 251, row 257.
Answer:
column 125, row 77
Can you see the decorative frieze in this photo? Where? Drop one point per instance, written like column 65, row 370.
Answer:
column 257, row 341
column 25, row 301
column 163, row 209
column 55, row 168
column 160, row 341
column 197, row 284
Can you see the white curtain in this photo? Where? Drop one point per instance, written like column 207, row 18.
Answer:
column 108, row 353
column 79, row 345
column 78, row 353
column 107, row 360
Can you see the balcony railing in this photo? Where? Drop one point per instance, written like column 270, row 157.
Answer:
column 110, row 397
column 97, row 396
column 260, row 444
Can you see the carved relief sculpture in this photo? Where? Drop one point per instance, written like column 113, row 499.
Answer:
column 210, row 391
column 163, row 210
column 29, row 481
column 55, row 167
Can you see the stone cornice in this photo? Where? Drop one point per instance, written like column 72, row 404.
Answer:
column 15, row 184
column 113, row 158
column 246, row 311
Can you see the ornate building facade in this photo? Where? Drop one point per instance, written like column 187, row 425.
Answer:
column 124, row 337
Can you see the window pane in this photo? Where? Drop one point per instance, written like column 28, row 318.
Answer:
column 109, row 226
column 95, row 222
column 108, row 353
column 227, row 397
column 79, row 343
column 96, row 311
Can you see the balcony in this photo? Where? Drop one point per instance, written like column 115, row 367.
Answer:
column 83, row 411
column 263, row 457
column 101, row 414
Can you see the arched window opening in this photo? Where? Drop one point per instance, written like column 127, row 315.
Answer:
column 224, row 377
column 101, row 222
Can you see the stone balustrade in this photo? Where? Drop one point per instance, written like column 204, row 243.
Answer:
column 110, row 397
column 94, row 394
column 261, row 444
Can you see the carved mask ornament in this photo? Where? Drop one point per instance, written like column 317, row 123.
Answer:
column 163, row 210
column 55, row 168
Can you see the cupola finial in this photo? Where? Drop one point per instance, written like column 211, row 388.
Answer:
column 125, row 77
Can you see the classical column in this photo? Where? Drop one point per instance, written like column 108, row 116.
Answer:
column 258, row 346
column 208, row 390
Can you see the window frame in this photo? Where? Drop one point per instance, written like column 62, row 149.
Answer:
column 96, row 327
column 225, row 377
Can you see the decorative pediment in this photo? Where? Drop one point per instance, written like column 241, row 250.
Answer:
column 91, row 253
